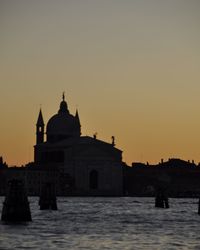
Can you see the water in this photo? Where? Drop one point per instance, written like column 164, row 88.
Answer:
column 106, row 223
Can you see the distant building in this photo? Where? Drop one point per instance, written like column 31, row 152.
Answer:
column 179, row 177
column 79, row 165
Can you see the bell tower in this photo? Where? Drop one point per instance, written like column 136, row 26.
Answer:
column 40, row 129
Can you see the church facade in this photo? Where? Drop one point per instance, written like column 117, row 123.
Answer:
column 78, row 165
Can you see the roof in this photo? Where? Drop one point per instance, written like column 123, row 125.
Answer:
column 83, row 140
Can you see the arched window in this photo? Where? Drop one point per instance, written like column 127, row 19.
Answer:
column 93, row 179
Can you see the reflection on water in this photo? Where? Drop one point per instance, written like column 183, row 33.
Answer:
column 106, row 223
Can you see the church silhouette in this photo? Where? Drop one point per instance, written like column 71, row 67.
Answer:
column 77, row 165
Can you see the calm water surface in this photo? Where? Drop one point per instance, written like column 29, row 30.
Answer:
column 106, row 223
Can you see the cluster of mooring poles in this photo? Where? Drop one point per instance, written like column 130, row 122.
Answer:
column 199, row 207
column 161, row 199
column 16, row 205
column 48, row 197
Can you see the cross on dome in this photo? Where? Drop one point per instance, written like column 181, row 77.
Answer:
column 63, row 97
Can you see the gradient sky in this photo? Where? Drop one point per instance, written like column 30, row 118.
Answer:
column 132, row 67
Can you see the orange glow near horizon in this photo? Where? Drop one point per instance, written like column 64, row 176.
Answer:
column 131, row 67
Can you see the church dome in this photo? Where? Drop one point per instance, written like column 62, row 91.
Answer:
column 63, row 125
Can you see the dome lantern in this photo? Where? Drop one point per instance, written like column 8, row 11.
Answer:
column 63, row 105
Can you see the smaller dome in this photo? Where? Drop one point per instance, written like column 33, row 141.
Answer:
column 63, row 106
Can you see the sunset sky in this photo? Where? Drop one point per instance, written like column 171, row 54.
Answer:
column 131, row 67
